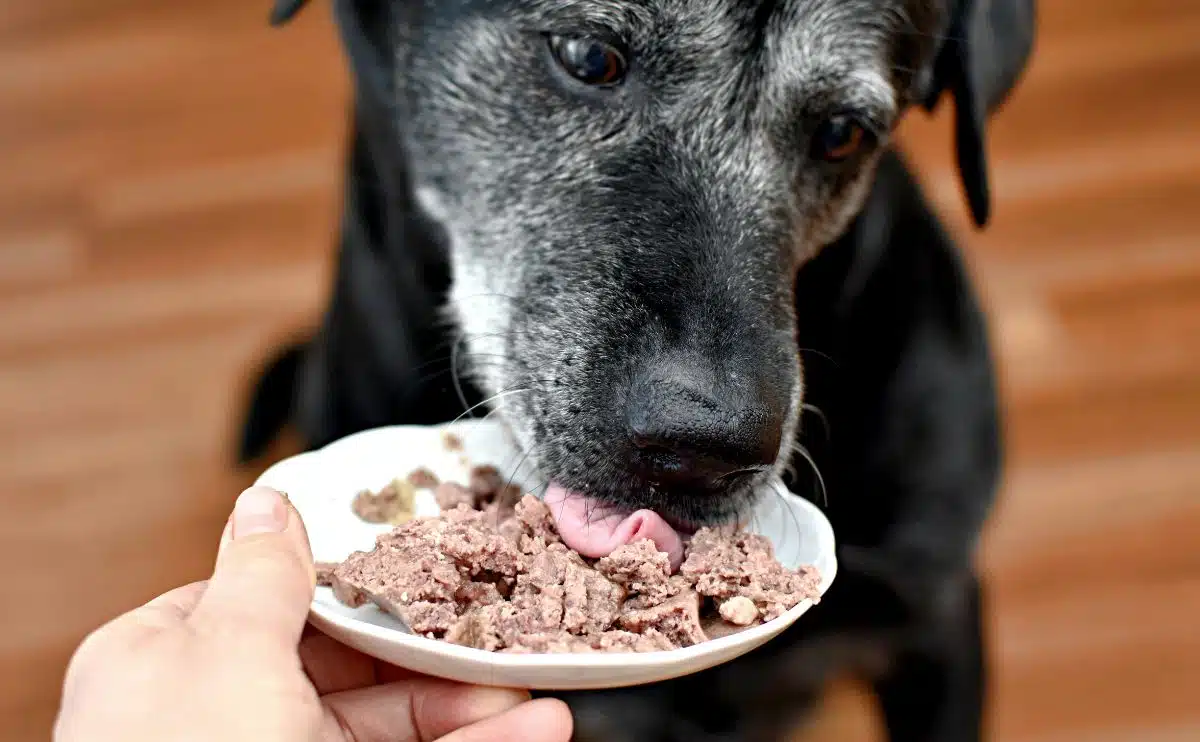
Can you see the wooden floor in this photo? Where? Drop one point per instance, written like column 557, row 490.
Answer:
column 168, row 178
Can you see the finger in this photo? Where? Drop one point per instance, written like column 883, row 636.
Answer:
column 226, row 536
column 544, row 720
column 264, row 580
column 421, row 709
column 333, row 667
column 385, row 673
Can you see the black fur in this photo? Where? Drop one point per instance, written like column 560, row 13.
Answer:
column 272, row 402
column 987, row 47
column 674, row 231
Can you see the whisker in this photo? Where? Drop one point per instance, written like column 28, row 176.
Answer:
column 495, row 410
column 488, row 401
column 517, row 468
column 781, row 501
column 487, row 295
column 742, row 472
column 821, row 354
column 456, row 335
column 800, row 449
column 455, row 377
column 443, row 371
column 820, row 416
column 468, row 353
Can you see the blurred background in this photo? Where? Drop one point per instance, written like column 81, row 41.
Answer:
column 169, row 189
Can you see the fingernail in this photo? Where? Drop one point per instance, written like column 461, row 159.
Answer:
column 259, row 510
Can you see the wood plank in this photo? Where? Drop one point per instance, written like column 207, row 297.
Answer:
column 169, row 191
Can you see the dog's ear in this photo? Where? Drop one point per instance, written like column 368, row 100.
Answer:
column 364, row 25
column 986, row 48
column 286, row 10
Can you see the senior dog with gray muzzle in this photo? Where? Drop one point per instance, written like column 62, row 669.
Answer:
column 668, row 242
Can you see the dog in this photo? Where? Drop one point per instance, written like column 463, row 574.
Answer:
column 671, row 244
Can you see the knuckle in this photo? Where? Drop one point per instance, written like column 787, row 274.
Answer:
column 95, row 643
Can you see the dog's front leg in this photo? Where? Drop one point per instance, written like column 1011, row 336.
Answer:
column 934, row 690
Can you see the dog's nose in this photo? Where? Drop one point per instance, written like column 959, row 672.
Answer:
column 692, row 428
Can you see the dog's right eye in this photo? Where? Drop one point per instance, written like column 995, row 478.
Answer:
column 838, row 138
column 589, row 60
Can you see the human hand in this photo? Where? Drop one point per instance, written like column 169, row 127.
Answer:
column 229, row 659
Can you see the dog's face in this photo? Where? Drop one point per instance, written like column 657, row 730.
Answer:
column 628, row 188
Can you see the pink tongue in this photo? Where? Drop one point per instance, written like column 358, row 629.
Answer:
column 596, row 532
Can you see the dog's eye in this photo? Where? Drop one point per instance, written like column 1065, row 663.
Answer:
column 837, row 138
column 590, row 61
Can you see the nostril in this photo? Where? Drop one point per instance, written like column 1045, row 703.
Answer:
column 661, row 459
column 653, row 445
column 683, row 438
column 682, row 431
column 653, row 448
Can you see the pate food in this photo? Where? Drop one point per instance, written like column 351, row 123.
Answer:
column 394, row 504
column 492, row 573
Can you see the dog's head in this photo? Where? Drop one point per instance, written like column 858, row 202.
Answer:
column 627, row 189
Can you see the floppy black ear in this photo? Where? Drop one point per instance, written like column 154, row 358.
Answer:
column 986, row 49
column 286, row 10
column 364, row 25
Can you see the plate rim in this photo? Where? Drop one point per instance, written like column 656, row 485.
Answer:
column 750, row 638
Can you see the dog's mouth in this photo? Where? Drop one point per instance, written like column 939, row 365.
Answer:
column 595, row 529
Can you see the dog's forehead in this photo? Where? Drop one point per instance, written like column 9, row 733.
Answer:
column 717, row 22
column 791, row 44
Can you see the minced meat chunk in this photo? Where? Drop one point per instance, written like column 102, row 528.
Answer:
column 492, row 573
column 678, row 619
column 725, row 565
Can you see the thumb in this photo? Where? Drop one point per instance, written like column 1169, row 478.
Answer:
column 264, row 580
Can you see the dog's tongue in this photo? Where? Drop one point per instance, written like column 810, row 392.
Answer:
column 596, row 532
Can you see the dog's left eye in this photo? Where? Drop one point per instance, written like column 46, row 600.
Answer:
column 837, row 138
column 589, row 60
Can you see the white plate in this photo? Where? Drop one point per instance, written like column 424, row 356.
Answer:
column 322, row 484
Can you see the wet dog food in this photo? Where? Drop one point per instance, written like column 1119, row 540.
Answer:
column 491, row 573
column 423, row 479
column 452, row 442
column 394, row 504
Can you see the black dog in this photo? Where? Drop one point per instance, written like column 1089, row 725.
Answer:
column 627, row 222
